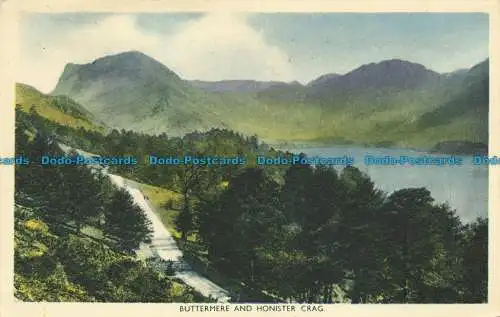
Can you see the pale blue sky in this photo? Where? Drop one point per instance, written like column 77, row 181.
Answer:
column 278, row 46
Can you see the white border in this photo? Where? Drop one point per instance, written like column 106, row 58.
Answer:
column 8, row 59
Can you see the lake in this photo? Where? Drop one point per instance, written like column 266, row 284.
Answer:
column 464, row 188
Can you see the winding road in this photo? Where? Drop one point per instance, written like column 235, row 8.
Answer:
column 163, row 245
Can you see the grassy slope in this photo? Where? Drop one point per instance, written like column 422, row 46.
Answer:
column 59, row 109
column 159, row 197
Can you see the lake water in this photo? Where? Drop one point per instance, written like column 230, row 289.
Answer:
column 463, row 187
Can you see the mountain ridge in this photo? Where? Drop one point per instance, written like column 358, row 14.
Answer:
column 235, row 85
column 382, row 101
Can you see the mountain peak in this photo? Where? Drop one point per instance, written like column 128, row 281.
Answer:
column 394, row 63
column 392, row 73
column 133, row 66
column 127, row 55
column 131, row 60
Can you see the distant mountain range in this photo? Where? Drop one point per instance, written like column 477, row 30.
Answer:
column 390, row 103
column 235, row 85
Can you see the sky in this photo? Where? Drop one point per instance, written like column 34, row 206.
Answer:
column 260, row 46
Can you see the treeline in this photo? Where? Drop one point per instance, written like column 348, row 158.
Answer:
column 216, row 142
column 194, row 183
column 75, row 234
column 328, row 237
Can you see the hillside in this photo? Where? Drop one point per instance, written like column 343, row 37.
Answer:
column 75, row 231
column 93, row 272
column 135, row 91
column 60, row 109
column 389, row 103
column 396, row 103
column 470, row 106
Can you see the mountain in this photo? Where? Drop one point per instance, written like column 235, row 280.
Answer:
column 469, row 107
column 390, row 103
column 132, row 90
column 472, row 99
column 392, row 74
column 240, row 86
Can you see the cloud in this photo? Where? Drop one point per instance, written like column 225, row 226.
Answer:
column 224, row 46
column 213, row 47
column 43, row 58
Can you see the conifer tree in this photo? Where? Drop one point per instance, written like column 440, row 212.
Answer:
column 126, row 221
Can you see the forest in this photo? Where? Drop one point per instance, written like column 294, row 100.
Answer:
column 75, row 234
column 301, row 233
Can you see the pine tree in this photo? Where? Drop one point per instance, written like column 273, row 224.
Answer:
column 361, row 233
column 79, row 196
column 475, row 262
column 247, row 218
column 126, row 222
column 415, row 248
